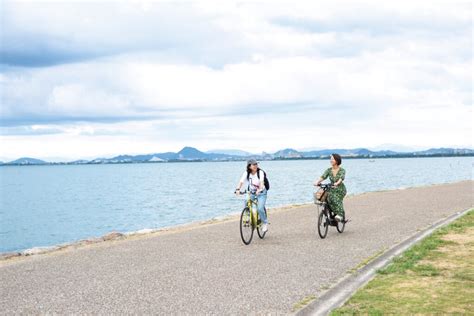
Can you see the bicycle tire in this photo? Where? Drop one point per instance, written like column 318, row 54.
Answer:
column 323, row 224
column 246, row 226
column 341, row 225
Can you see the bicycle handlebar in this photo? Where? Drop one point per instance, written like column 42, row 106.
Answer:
column 326, row 186
column 243, row 192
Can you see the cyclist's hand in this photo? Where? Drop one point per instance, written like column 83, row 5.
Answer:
column 317, row 184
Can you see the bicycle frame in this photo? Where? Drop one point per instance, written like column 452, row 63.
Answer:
column 250, row 201
column 324, row 207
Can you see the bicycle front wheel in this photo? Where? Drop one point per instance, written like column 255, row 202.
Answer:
column 246, row 227
column 323, row 224
column 260, row 233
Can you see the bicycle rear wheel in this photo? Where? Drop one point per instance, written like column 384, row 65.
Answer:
column 323, row 224
column 259, row 229
column 340, row 225
column 246, row 227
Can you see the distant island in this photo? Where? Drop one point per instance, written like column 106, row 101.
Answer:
column 193, row 154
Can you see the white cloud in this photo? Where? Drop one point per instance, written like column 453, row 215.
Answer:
column 137, row 75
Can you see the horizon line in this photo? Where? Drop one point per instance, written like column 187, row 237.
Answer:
column 6, row 160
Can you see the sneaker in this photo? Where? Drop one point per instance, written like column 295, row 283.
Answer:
column 338, row 218
column 264, row 228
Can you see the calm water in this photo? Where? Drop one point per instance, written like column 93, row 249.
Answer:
column 48, row 205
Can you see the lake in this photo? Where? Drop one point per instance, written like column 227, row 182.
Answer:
column 53, row 204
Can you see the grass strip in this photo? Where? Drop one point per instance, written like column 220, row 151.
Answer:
column 435, row 276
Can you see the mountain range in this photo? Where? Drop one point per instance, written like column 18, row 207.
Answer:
column 193, row 154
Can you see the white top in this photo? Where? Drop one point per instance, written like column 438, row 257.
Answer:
column 254, row 182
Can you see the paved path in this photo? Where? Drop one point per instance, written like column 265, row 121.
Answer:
column 209, row 270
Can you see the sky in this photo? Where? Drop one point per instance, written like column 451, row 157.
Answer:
column 87, row 79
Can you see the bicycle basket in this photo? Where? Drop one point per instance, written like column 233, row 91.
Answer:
column 320, row 196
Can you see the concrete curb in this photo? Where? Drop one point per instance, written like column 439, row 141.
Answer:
column 337, row 295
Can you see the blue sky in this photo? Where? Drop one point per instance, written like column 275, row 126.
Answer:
column 88, row 79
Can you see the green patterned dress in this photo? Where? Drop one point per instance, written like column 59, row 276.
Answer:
column 336, row 195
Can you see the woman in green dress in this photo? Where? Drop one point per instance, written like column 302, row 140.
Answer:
column 336, row 175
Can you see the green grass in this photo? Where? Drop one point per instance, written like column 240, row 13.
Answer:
column 305, row 301
column 367, row 260
column 435, row 276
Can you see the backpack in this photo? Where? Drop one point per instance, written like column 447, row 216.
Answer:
column 266, row 183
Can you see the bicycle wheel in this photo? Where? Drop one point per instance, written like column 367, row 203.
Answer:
column 323, row 224
column 259, row 229
column 246, row 227
column 340, row 225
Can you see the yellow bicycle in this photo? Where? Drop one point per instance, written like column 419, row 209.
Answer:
column 249, row 219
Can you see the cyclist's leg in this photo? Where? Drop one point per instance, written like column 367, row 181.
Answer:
column 330, row 205
column 262, row 199
column 341, row 209
column 335, row 203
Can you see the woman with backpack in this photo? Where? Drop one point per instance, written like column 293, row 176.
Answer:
column 258, row 186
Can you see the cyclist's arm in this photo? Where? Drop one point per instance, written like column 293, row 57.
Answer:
column 317, row 183
column 323, row 177
column 338, row 182
column 241, row 182
column 239, row 186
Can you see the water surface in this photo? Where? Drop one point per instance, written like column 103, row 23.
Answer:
column 48, row 205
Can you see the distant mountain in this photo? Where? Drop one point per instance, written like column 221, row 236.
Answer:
column 445, row 151
column 185, row 154
column 79, row 162
column 230, row 152
column 121, row 158
column 293, row 153
column 193, row 154
column 348, row 152
column 288, row 153
column 27, row 161
column 156, row 159
column 139, row 158
column 166, row 156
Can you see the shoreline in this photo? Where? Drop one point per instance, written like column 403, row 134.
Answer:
column 115, row 236
column 400, row 156
column 142, row 233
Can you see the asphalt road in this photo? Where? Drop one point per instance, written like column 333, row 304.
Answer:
column 208, row 270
